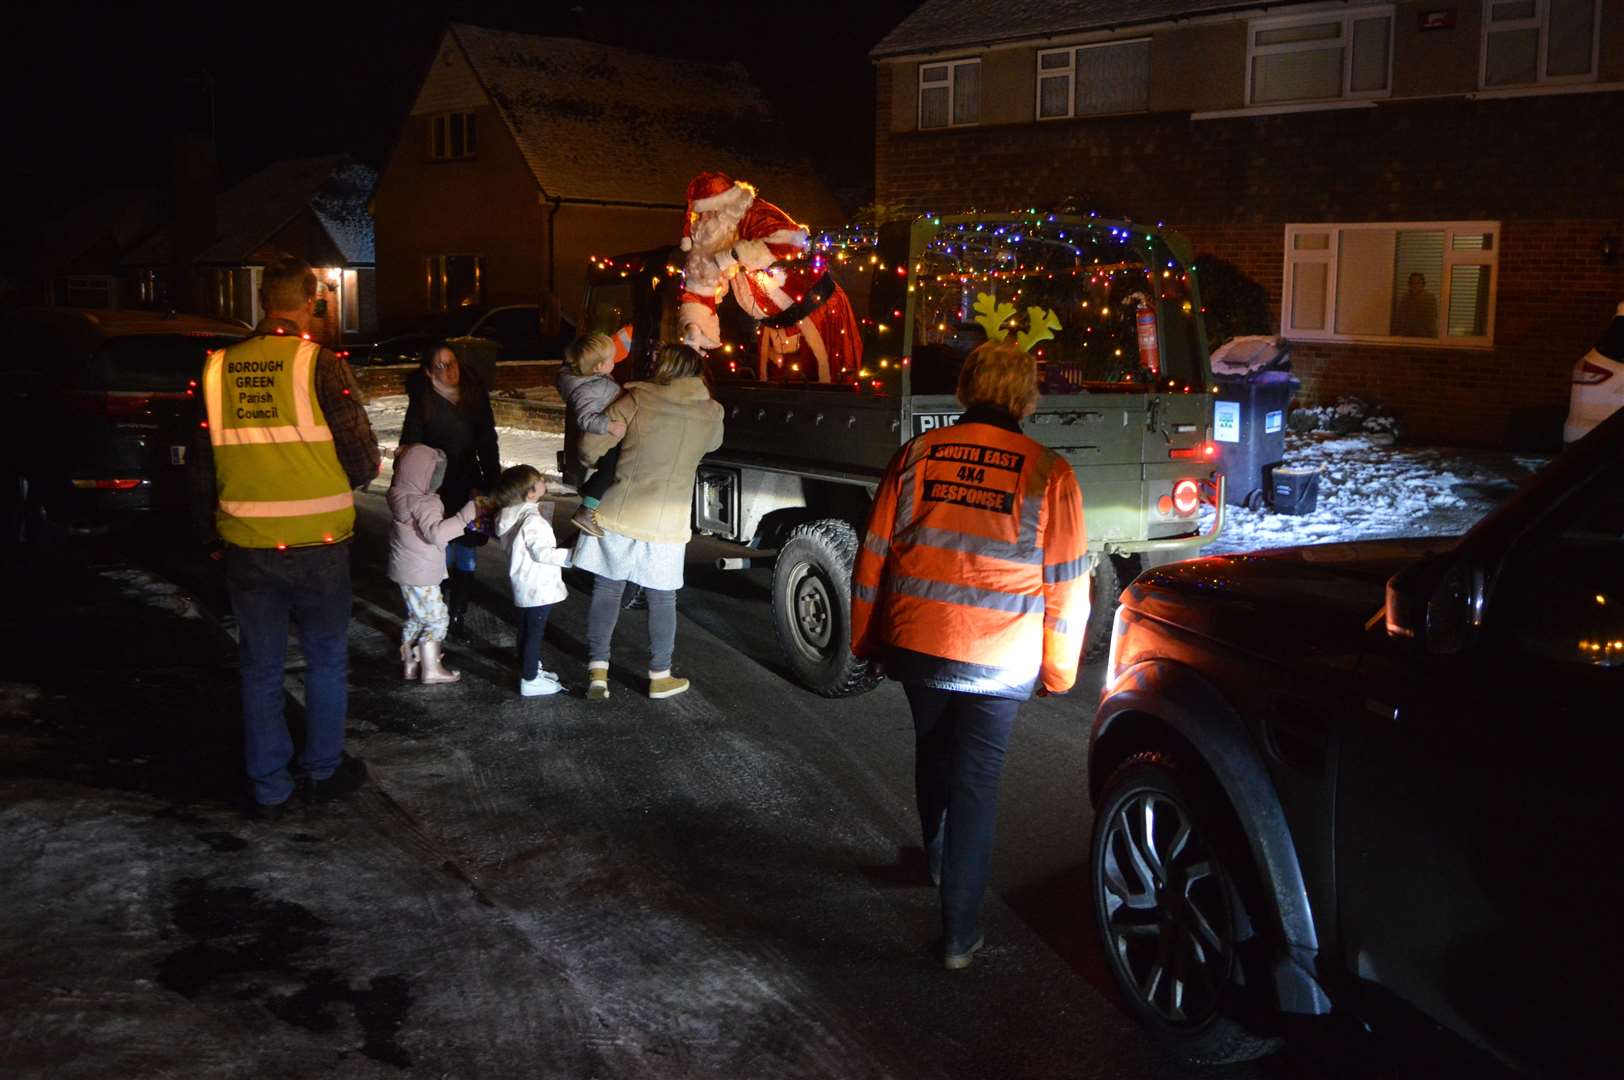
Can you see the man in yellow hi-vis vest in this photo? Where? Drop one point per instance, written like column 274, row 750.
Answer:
column 288, row 440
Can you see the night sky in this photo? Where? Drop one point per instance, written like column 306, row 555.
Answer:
column 96, row 91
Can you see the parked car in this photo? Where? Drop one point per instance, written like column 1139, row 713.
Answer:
column 100, row 408
column 1598, row 382
column 515, row 327
column 1347, row 776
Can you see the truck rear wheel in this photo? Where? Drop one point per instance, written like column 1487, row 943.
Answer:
column 812, row 608
column 1111, row 575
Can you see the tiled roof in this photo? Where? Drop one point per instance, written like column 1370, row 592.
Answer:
column 947, row 24
column 597, row 123
column 246, row 216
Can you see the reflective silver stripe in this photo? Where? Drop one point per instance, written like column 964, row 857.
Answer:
column 879, row 545
column 972, row 545
column 905, row 485
column 1032, row 499
column 864, row 593
column 944, row 592
column 1060, row 626
column 905, row 500
column 1066, row 571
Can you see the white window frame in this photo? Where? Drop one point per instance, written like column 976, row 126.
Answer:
column 1070, row 74
column 952, row 67
column 1540, row 21
column 1329, row 256
column 1347, row 19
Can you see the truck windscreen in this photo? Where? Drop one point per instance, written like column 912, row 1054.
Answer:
column 1103, row 307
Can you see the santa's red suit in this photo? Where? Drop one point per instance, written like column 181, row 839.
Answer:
column 736, row 241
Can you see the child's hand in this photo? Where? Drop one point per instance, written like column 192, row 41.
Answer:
column 617, row 428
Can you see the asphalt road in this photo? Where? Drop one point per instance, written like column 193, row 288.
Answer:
column 725, row 883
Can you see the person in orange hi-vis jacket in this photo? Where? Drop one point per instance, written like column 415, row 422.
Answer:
column 971, row 589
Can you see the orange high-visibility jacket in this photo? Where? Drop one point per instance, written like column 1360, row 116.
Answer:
column 973, row 574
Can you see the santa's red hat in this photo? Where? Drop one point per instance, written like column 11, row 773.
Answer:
column 707, row 191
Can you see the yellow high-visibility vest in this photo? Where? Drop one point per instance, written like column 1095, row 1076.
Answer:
column 277, row 474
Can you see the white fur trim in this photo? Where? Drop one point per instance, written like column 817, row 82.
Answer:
column 753, row 253
column 700, row 326
column 740, row 194
column 796, row 237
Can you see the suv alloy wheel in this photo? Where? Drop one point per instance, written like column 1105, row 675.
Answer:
column 1169, row 914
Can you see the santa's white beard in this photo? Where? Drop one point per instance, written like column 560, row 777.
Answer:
column 716, row 230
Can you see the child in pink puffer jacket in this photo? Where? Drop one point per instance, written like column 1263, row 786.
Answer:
column 417, row 545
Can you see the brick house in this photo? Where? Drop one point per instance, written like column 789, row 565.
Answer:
column 522, row 156
column 315, row 208
column 1430, row 193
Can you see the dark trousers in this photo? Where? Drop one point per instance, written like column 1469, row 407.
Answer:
column 309, row 588
column 532, row 624
column 959, row 743
column 599, row 482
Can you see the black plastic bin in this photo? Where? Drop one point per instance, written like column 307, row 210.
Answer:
column 1293, row 489
column 1249, row 416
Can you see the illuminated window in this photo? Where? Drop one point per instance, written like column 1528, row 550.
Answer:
column 1094, row 80
column 1402, row 284
column 949, row 94
column 454, row 281
column 1527, row 42
column 1321, row 57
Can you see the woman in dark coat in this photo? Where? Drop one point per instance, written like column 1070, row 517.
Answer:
column 449, row 410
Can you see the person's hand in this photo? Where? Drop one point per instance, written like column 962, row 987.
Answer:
column 617, row 428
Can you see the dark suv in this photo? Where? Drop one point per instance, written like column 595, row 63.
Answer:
column 99, row 413
column 1358, row 775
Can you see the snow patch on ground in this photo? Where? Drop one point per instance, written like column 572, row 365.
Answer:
column 1369, row 490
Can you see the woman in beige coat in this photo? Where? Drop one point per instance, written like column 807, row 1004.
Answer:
column 670, row 423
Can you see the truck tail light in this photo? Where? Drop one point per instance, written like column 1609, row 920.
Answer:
column 1186, row 496
column 120, row 484
column 1202, row 452
column 1588, row 374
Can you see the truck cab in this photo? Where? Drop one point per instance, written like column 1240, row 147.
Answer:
column 1110, row 309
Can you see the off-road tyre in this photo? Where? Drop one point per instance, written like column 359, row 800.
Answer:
column 1228, row 1013
column 812, row 608
column 1106, row 585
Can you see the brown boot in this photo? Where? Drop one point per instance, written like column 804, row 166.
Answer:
column 411, row 663
column 586, row 519
column 433, row 670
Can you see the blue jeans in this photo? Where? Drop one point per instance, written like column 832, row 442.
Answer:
column 532, row 624
column 464, row 557
column 959, row 743
column 311, row 588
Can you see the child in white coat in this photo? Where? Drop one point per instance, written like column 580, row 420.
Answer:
column 417, row 558
column 535, row 563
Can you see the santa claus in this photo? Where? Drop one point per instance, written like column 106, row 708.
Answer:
column 736, row 241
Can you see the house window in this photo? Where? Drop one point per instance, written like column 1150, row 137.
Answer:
column 455, row 281
column 149, row 286
column 350, row 303
column 949, row 94
column 453, row 136
column 1526, row 42
column 1399, row 284
column 87, row 292
column 1094, row 80
column 1320, row 57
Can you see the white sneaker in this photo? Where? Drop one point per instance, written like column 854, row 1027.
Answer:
column 540, row 686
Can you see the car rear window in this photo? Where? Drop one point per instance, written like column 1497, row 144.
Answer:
column 151, row 361
column 1612, row 342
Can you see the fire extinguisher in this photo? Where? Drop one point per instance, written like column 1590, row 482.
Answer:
column 1149, row 358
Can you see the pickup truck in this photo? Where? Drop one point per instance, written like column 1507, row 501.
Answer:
column 1110, row 309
